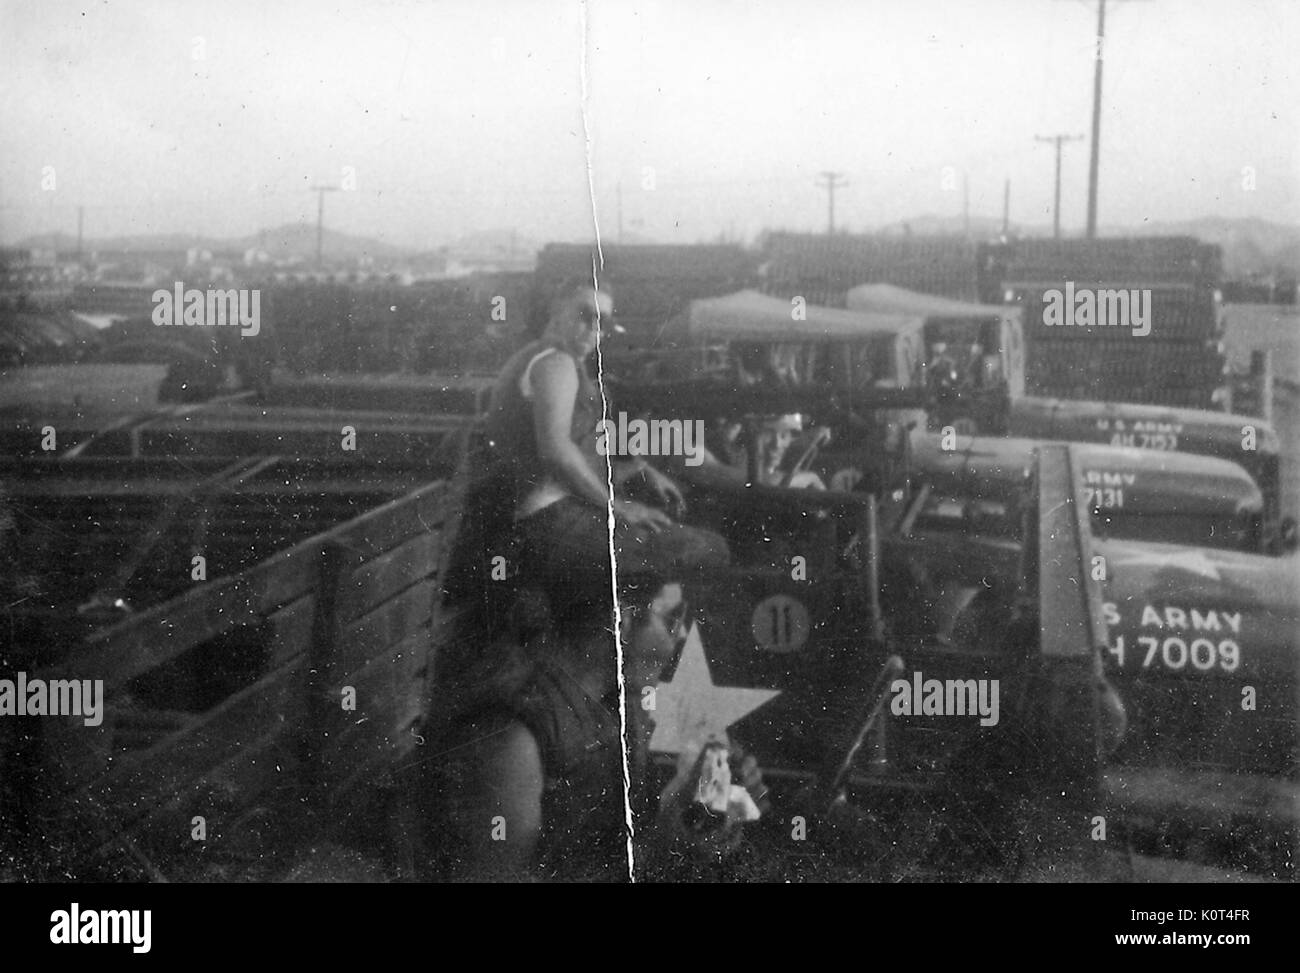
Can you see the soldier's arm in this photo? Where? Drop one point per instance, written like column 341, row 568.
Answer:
column 555, row 386
column 710, row 471
column 497, row 810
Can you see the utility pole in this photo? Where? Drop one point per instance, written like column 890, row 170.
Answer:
column 1094, row 159
column 831, row 182
column 320, row 192
column 1056, row 207
column 1094, row 156
column 965, row 203
column 1006, row 207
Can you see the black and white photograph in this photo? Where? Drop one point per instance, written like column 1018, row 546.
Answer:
column 649, row 441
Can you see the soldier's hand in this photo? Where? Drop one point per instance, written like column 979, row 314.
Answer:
column 750, row 776
column 691, row 828
column 639, row 515
column 666, row 491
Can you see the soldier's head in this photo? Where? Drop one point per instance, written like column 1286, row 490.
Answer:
column 774, row 438
column 751, row 360
column 578, row 319
column 652, row 620
column 652, row 634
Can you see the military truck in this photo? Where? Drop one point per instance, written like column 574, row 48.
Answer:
column 1129, row 493
column 1245, row 440
column 975, row 354
column 1201, row 650
column 1204, row 651
column 821, row 609
column 738, row 358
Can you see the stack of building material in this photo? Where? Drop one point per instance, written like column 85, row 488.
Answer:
column 823, row 268
column 1166, row 287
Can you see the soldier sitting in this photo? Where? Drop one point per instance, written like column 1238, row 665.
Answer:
column 542, row 497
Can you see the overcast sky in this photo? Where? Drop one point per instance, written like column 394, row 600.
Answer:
column 715, row 116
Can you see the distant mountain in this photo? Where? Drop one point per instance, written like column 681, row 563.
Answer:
column 162, row 241
column 281, row 243
column 1250, row 246
column 503, row 241
column 299, row 240
column 294, row 240
column 928, row 224
column 48, row 241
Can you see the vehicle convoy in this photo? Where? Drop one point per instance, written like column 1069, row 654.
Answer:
column 1129, row 493
column 1139, row 479
column 810, row 611
column 932, row 646
column 747, row 338
column 978, row 573
column 827, row 606
column 1245, row 440
column 1204, row 651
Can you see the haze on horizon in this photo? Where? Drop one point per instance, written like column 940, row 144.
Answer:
column 713, row 117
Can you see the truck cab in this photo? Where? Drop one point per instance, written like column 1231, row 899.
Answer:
column 982, row 345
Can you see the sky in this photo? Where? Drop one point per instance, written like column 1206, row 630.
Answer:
column 678, row 121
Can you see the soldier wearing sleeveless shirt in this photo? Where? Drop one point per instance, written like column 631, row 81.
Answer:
column 542, row 495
